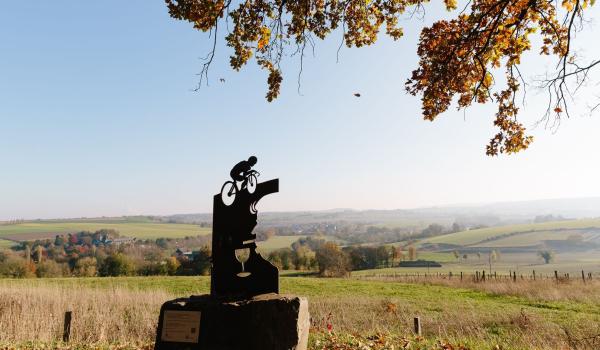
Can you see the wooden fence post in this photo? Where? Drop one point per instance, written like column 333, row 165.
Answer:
column 461, row 275
column 67, row 326
column 534, row 275
column 417, row 322
column 556, row 275
column 583, row 276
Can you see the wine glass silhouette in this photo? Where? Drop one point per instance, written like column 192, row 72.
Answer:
column 242, row 255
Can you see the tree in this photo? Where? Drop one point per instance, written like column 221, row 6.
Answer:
column 456, row 254
column 39, row 253
column 59, row 241
column 265, row 234
column 456, row 227
column 162, row 243
column 492, row 257
column 459, row 57
column 412, row 253
column 172, row 264
column 333, row 262
column 304, row 258
column 398, row 254
column 202, row 261
column 116, row 265
column 547, row 255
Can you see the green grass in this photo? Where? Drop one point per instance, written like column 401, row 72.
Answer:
column 319, row 287
column 4, row 243
column 471, row 237
column 277, row 242
column 529, row 238
column 305, row 286
column 138, row 229
column 523, row 263
column 436, row 256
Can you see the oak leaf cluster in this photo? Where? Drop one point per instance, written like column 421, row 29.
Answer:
column 473, row 57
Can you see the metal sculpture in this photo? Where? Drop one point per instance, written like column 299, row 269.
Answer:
column 238, row 271
column 235, row 315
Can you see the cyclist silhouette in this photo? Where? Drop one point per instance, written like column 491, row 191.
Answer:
column 241, row 172
column 242, row 169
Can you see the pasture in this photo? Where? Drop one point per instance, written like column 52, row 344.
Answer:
column 280, row 242
column 522, row 263
column 277, row 242
column 478, row 236
column 130, row 228
column 523, row 315
column 6, row 243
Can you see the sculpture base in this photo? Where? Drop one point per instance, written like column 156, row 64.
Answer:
column 265, row 322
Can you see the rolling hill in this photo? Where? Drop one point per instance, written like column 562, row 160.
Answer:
column 522, row 235
column 140, row 228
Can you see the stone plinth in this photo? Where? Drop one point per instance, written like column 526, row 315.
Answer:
column 265, row 322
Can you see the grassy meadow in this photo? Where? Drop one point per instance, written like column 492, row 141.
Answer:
column 130, row 228
column 277, row 242
column 4, row 243
column 495, row 315
column 473, row 237
column 520, row 262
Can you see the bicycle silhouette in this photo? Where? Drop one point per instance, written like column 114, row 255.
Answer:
column 230, row 188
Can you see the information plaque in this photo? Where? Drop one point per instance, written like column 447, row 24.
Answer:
column 181, row 326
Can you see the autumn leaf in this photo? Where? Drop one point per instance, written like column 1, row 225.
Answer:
column 459, row 57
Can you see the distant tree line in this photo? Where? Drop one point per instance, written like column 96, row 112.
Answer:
column 358, row 233
column 105, row 253
column 97, row 253
column 330, row 260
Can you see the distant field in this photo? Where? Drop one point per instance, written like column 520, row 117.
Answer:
column 436, row 256
column 538, row 237
column 522, row 263
column 472, row 237
column 6, row 243
column 277, row 242
column 138, row 229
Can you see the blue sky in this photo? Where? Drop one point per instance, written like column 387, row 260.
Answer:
column 98, row 117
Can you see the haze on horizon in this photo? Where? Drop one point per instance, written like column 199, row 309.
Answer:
column 98, row 119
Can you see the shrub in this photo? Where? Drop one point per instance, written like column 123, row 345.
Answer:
column 49, row 268
column 85, row 267
column 15, row 267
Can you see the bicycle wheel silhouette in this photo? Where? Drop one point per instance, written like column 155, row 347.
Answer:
column 228, row 192
column 251, row 184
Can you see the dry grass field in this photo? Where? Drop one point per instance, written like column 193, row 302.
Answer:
column 345, row 313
